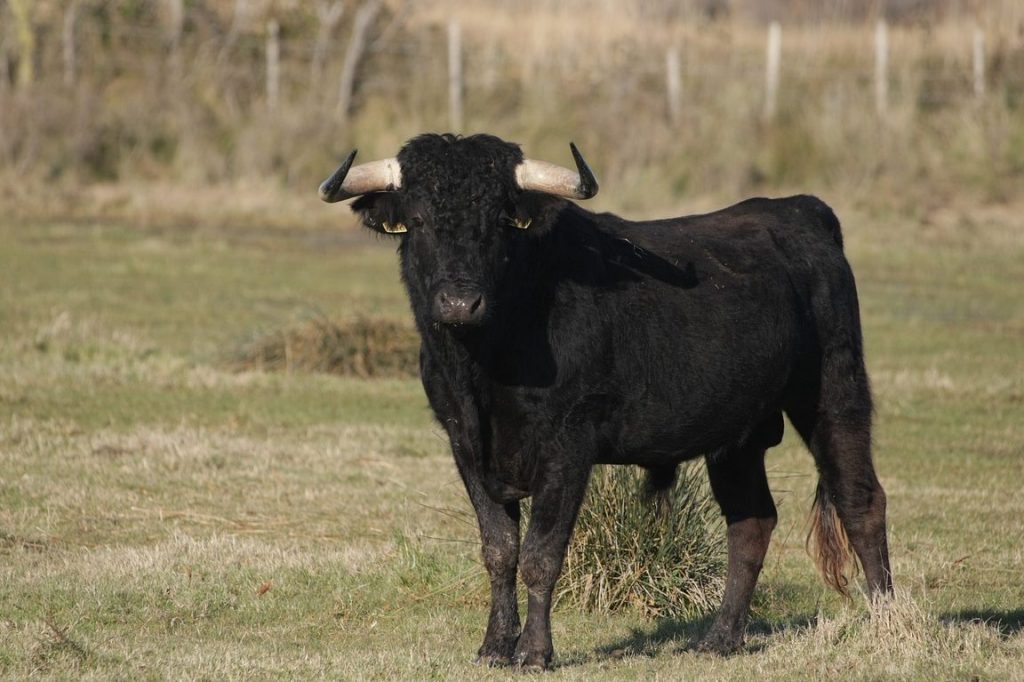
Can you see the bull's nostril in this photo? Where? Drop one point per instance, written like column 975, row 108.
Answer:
column 455, row 306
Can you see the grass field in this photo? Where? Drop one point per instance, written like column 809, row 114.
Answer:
column 164, row 516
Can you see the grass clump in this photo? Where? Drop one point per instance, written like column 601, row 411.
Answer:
column 364, row 347
column 898, row 639
column 629, row 552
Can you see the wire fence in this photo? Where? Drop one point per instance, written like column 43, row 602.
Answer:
column 80, row 81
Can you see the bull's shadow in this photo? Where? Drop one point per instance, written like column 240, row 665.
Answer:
column 1008, row 622
column 685, row 634
column 644, row 641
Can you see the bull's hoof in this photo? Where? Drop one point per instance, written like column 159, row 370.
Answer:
column 720, row 643
column 532, row 662
column 493, row 660
column 497, row 652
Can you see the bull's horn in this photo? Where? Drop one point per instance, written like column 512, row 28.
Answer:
column 347, row 182
column 541, row 176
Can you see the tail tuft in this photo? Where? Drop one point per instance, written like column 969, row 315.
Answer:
column 828, row 544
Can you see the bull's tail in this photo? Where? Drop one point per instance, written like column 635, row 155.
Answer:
column 828, row 544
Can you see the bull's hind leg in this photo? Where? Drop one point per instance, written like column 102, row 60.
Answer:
column 740, row 486
column 836, row 425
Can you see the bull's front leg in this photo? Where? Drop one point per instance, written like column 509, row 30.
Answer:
column 499, row 546
column 498, row 522
column 552, row 518
column 499, row 536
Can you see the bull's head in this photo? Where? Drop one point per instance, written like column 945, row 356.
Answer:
column 458, row 205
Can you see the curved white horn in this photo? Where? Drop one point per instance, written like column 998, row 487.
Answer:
column 348, row 181
column 541, row 176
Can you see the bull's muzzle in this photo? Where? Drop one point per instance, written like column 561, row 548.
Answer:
column 459, row 306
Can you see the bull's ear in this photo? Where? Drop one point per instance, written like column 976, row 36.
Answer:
column 536, row 212
column 381, row 211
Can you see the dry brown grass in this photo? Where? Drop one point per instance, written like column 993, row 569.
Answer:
column 660, row 558
column 896, row 640
column 149, row 494
column 362, row 347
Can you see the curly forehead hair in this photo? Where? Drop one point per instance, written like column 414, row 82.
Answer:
column 450, row 165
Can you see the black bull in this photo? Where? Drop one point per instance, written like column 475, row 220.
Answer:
column 554, row 339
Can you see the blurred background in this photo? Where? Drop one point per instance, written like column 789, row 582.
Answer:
column 200, row 107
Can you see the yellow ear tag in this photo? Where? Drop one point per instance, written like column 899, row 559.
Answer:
column 394, row 228
column 523, row 223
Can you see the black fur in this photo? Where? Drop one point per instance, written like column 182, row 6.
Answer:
column 600, row 340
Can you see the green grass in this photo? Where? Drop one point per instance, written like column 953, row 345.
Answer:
column 162, row 516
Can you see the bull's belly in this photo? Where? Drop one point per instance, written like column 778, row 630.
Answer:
column 648, row 423
column 658, row 436
column 666, row 447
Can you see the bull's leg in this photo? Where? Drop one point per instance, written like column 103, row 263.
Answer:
column 499, row 535
column 740, row 486
column 499, row 523
column 551, row 522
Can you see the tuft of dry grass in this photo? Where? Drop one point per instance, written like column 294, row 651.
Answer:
column 364, row 347
column 899, row 638
column 630, row 553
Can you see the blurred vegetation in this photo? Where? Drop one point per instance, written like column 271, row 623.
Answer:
column 175, row 91
column 364, row 347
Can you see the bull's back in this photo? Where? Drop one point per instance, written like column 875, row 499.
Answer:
column 711, row 321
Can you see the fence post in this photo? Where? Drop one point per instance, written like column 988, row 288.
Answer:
column 328, row 15
column 979, row 63
column 273, row 64
column 455, row 75
column 26, row 37
column 771, row 74
column 881, row 67
column 68, row 43
column 356, row 46
column 673, row 86
column 240, row 17
column 5, row 71
column 175, row 26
